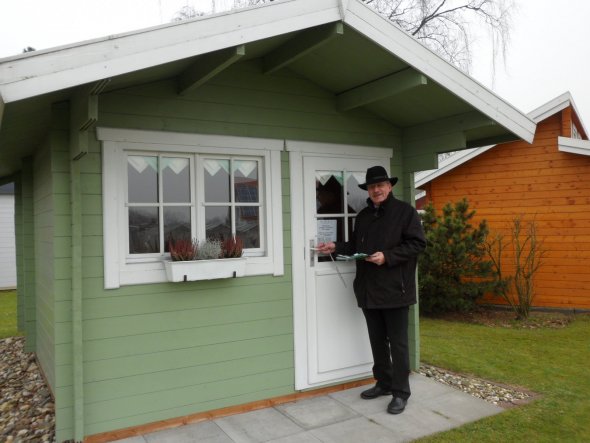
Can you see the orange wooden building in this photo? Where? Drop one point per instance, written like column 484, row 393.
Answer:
column 548, row 181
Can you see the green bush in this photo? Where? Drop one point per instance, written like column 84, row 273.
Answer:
column 454, row 270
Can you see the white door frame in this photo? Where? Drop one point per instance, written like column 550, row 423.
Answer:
column 297, row 151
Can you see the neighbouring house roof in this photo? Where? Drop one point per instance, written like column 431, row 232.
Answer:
column 341, row 45
column 539, row 114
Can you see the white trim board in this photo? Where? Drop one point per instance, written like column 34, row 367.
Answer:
column 573, row 145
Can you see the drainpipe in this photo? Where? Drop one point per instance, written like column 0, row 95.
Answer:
column 77, row 327
column 83, row 118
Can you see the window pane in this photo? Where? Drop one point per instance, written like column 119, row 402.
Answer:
column 248, row 225
column 217, row 180
column 356, row 197
column 176, row 180
column 177, row 224
column 144, row 232
column 217, row 222
column 142, row 179
column 246, row 180
column 329, row 192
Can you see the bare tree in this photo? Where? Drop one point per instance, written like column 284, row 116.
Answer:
column 187, row 12
column 448, row 27
column 527, row 255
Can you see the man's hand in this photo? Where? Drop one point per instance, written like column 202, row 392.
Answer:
column 326, row 248
column 378, row 258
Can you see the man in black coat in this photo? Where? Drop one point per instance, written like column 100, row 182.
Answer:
column 390, row 233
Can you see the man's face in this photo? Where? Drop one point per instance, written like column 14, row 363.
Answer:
column 378, row 192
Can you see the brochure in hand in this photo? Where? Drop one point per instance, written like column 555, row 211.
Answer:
column 357, row 256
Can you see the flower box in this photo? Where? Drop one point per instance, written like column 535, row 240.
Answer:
column 194, row 270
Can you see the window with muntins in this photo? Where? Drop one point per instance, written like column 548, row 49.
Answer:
column 215, row 188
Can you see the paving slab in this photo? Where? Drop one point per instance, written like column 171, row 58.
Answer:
column 204, row 432
column 258, row 426
column 316, row 412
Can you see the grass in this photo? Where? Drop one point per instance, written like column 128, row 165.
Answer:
column 552, row 362
column 8, row 314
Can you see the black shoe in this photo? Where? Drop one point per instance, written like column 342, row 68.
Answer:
column 397, row 405
column 374, row 392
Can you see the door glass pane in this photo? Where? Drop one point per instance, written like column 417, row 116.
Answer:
column 177, row 224
column 329, row 229
column 217, row 180
column 144, row 232
column 217, row 222
column 329, row 192
column 246, row 180
column 357, row 198
column 176, row 180
column 248, row 225
column 142, row 179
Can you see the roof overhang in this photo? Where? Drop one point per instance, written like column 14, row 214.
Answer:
column 552, row 107
column 573, row 145
column 394, row 76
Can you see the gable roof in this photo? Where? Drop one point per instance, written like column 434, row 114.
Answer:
column 539, row 114
column 342, row 45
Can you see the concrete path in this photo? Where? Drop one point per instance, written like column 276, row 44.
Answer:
column 341, row 417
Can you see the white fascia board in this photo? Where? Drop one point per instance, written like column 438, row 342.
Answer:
column 27, row 76
column 448, row 164
column 573, row 145
column 551, row 107
column 402, row 45
column 554, row 106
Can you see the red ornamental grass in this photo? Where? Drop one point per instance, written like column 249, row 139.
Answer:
column 182, row 249
column 232, row 247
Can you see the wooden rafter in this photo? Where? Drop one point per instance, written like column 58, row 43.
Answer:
column 379, row 89
column 207, row 67
column 301, row 45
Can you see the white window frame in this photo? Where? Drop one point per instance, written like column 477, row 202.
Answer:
column 119, row 270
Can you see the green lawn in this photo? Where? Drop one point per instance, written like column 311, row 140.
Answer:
column 552, row 362
column 8, row 314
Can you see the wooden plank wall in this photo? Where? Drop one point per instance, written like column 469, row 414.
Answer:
column 541, row 183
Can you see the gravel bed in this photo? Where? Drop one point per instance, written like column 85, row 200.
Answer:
column 501, row 395
column 27, row 412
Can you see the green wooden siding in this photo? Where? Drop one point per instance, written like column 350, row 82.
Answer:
column 26, row 246
column 44, row 275
column 158, row 351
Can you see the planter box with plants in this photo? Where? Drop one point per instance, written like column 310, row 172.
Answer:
column 191, row 260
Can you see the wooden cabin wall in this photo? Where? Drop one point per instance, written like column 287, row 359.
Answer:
column 538, row 183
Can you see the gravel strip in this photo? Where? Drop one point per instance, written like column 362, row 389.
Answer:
column 27, row 412
column 500, row 395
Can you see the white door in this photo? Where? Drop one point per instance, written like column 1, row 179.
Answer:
column 337, row 345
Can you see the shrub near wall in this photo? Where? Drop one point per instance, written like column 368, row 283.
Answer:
column 454, row 270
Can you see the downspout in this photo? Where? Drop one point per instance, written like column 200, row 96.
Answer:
column 83, row 118
column 77, row 326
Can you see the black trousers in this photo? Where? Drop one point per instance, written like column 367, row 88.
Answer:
column 388, row 334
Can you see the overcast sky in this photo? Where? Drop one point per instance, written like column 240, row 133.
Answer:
column 549, row 51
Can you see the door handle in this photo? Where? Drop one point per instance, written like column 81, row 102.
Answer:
column 312, row 250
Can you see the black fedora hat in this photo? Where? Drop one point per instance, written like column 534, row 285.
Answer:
column 377, row 174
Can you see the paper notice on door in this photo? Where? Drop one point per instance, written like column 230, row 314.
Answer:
column 326, row 231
